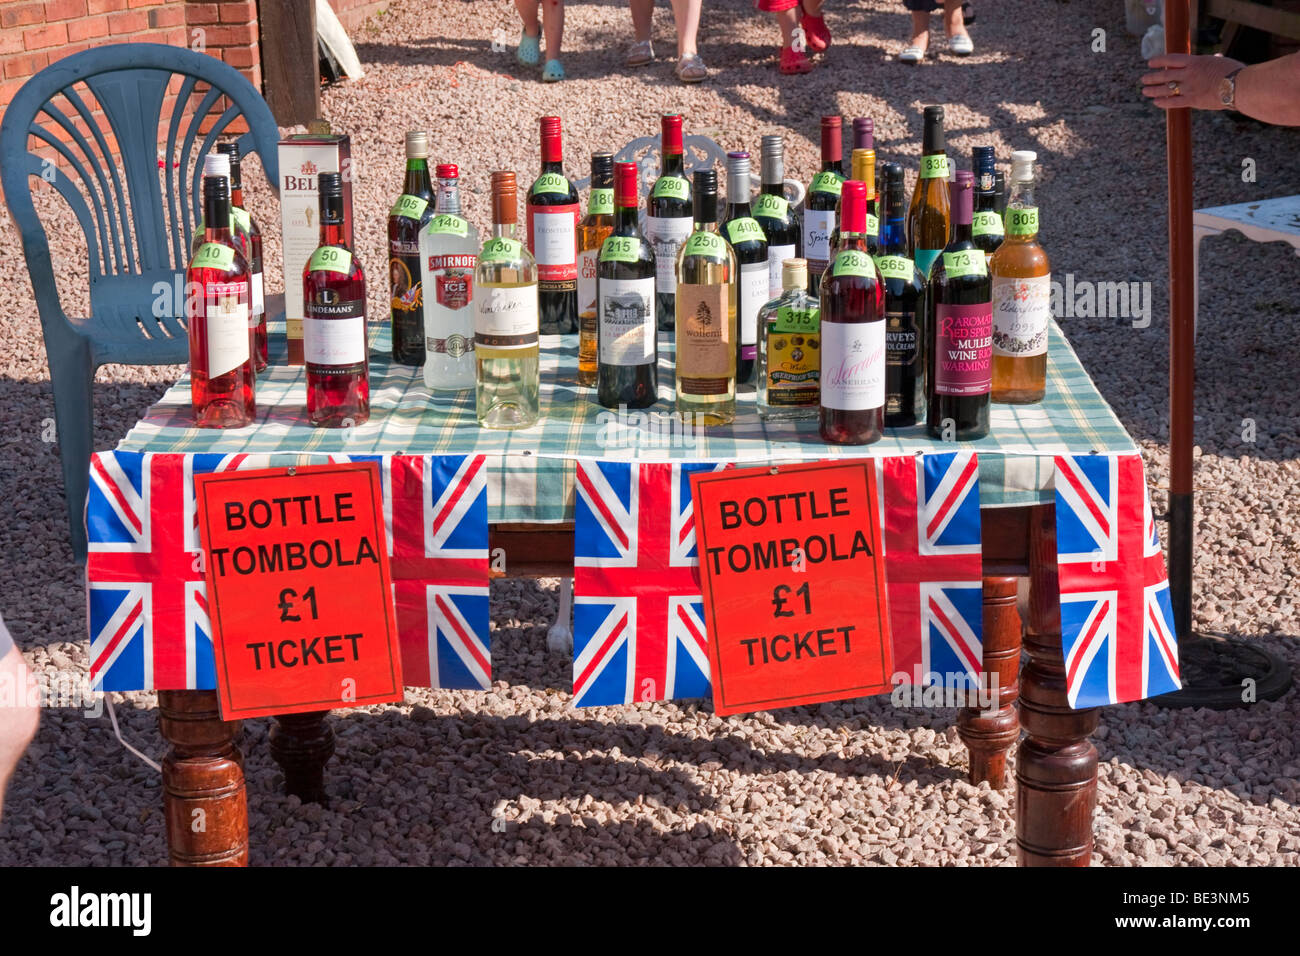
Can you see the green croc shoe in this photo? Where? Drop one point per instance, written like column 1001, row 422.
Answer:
column 553, row 71
column 530, row 49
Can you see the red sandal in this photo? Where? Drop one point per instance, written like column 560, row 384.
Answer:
column 817, row 35
column 794, row 61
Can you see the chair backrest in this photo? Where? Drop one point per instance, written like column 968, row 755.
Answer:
column 124, row 120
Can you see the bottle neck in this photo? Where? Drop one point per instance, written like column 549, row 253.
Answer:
column 738, row 210
column 710, row 226
column 961, row 232
column 1022, row 195
column 986, row 200
column 216, row 217
column 852, row 240
column 831, row 166
column 417, row 178
column 449, row 196
column 625, row 220
column 674, row 164
column 237, row 196
column 893, row 234
column 553, row 166
column 331, row 221
column 503, row 230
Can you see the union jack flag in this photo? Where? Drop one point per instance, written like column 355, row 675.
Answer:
column 933, row 567
column 638, row 616
column 1117, row 627
column 147, row 603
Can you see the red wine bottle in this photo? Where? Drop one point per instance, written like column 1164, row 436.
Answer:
column 819, row 206
column 959, row 365
column 334, row 321
column 750, row 246
column 986, row 221
column 853, row 333
column 553, row 214
column 628, row 353
column 412, row 211
column 904, row 309
column 243, row 221
column 668, row 221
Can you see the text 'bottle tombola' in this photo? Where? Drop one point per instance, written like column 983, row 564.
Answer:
column 1022, row 294
column 928, row 218
column 553, row 235
column 627, row 373
column 412, row 210
column 448, row 255
column 592, row 232
column 668, row 217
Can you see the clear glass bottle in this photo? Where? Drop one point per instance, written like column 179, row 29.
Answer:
column 448, row 254
column 705, row 320
column 1022, row 294
column 506, row 393
column 789, row 349
column 592, row 232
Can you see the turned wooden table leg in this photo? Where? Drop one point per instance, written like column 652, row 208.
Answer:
column 301, row 744
column 204, row 801
column 1056, row 771
column 990, row 735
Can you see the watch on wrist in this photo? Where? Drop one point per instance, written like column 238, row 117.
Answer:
column 1228, row 89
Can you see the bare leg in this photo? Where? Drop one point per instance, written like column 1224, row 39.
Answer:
column 686, row 15
column 787, row 20
column 812, row 8
column 553, row 24
column 642, row 18
column 920, row 29
column 953, row 22
column 528, row 13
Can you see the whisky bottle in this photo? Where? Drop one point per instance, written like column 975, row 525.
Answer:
column 789, row 349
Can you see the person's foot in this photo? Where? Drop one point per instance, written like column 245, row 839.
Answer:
column 815, row 29
column 794, row 61
column 530, row 48
column 959, row 44
column 691, row 69
column 553, row 72
column 640, row 53
column 914, row 52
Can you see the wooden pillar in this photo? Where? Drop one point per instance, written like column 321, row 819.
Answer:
column 1056, row 771
column 290, row 61
column 301, row 744
column 204, row 801
column 990, row 736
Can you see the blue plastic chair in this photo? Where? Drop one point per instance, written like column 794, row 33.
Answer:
column 137, row 223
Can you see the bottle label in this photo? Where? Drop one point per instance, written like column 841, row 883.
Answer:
column 934, row 167
column 776, row 256
column 214, row 255
column 445, row 224
column 404, row 285
column 505, row 317
column 242, row 220
column 620, row 249
column 967, row 262
column 745, row 230
column 666, row 234
column 793, row 359
column 335, row 333
column 789, row 319
column 853, row 377
column 259, row 296
column 708, row 244
column 671, row 187
column 895, row 267
column 453, row 287
column 551, row 183
column 817, row 228
column 587, row 261
column 330, row 259
column 751, row 295
column 963, row 342
column 553, row 239
column 627, row 321
column 1021, row 308
column 853, row 262
column 403, row 247
column 501, row 249
column 1022, row 222
column 770, row 206
column 986, row 223
column 409, row 207
column 705, row 348
column 873, row 226
column 925, row 258
column 901, row 352
column 226, row 314
column 600, row 202
column 454, row 345
column 827, row 182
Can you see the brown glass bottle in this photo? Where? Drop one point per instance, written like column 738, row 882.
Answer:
column 592, row 232
column 929, row 216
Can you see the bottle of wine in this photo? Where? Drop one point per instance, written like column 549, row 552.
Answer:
column 960, row 323
column 629, row 354
column 774, row 214
column 448, row 255
column 334, row 321
column 750, row 246
column 553, row 235
column 986, row 224
column 928, row 217
column 244, row 223
column 864, row 137
column 789, row 349
column 904, row 309
column 853, row 333
column 592, row 232
column 668, row 218
column 1022, row 295
column 1000, row 191
column 863, row 162
column 506, row 320
column 217, row 311
column 706, row 314
column 409, row 215
column 819, row 206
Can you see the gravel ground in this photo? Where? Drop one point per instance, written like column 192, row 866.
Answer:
column 516, row 775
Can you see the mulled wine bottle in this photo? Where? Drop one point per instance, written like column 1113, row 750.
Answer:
column 553, row 236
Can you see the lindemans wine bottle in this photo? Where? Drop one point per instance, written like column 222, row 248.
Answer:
column 334, row 321
column 774, row 214
column 904, row 309
column 668, row 217
column 553, row 235
column 1022, row 295
column 986, row 221
column 506, row 297
column 928, row 218
column 629, row 353
column 852, row 333
column 243, row 221
column 819, row 206
column 706, row 314
column 217, row 312
column 960, row 323
column 411, row 212
column 592, row 232
column 448, row 254
column 750, row 246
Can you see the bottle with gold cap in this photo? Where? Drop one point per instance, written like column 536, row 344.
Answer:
column 864, row 171
column 409, row 214
column 789, row 349
column 506, row 318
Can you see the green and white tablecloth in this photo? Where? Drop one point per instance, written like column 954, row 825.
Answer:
column 531, row 471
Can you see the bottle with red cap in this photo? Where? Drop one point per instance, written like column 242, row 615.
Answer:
column 668, row 220
column 448, row 253
column 819, row 207
column 628, row 354
column 852, row 332
column 553, row 214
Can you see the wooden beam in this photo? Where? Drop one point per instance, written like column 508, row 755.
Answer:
column 1284, row 23
column 290, row 61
